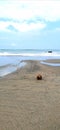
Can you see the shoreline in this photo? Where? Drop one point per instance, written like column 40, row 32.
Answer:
column 10, row 68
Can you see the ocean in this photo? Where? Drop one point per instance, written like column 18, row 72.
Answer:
column 10, row 59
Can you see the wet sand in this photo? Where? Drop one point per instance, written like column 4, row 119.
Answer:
column 30, row 104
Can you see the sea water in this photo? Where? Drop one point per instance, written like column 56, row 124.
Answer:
column 10, row 59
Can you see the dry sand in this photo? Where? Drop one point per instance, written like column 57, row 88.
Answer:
column 29, row 104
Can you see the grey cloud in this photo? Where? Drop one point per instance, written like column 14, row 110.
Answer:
column 12, row 28
column 8, row 20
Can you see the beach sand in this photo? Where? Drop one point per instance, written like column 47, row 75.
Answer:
column 30, row 104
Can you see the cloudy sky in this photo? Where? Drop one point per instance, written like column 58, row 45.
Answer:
column 31, row 24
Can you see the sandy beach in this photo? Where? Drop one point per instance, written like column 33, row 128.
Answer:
column 30, row 104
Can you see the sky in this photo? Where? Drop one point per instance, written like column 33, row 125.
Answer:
column 29, row 24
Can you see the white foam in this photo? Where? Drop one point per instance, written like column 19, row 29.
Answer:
column 50, row 64
column 30, row 54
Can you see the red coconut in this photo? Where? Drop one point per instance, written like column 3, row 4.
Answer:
column 39, row 77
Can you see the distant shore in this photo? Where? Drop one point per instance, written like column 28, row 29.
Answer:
column 29, row 104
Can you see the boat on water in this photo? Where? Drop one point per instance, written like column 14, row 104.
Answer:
column 50, row 51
